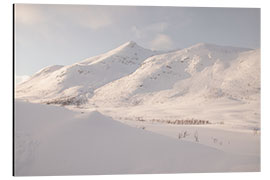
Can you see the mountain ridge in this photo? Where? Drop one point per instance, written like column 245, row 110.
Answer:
column 83, row 77
column 91, row 80
column 164, row 72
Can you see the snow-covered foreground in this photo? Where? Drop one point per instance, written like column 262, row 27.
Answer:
column 51, row 140
column 232, row 126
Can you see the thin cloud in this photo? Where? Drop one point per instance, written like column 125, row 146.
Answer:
column 28, row 14
column 162, row 42
column 93, row 17
column 150, row 30
column 154, row 35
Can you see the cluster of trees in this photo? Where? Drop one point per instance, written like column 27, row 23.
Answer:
column 183, row 122
column 67, row 101
column 177, row 121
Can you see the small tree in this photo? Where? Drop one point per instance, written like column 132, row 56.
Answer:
column 180, row 135
column 185, row 134
column 215, row 140
column 196, row 136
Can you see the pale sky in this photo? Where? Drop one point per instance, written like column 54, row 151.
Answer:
column 64, row 34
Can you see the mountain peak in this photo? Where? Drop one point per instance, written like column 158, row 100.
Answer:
column 129, row 44
column 129, row 47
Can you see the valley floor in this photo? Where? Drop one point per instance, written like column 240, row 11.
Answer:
column 53, row 140
column 224, row 124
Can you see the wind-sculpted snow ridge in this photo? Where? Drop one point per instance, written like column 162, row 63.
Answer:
column 52, row 140
column 74, row 84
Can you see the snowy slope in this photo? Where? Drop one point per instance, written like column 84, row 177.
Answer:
column 203, row 71
column 52, row 140
column 74, row 84
column 132, row 75
column 220, row 84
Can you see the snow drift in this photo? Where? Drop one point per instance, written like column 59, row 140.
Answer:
column 55, row 141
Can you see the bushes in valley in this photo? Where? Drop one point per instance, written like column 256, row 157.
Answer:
column 67, row 101
column 162, row 121
column 182, row 122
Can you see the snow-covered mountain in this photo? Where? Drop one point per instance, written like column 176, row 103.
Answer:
column 131, row 75
column 202, row 101
column 201, row 72
column 74, row 84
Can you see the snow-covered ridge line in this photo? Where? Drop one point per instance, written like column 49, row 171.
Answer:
column 56, row 83
column 188, row 71
column 127, row 74
column 126, row 49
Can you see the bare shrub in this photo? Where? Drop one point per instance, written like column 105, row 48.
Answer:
column 196, row 136
column 180, row 135
column 183, row 135
column 215, row 140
